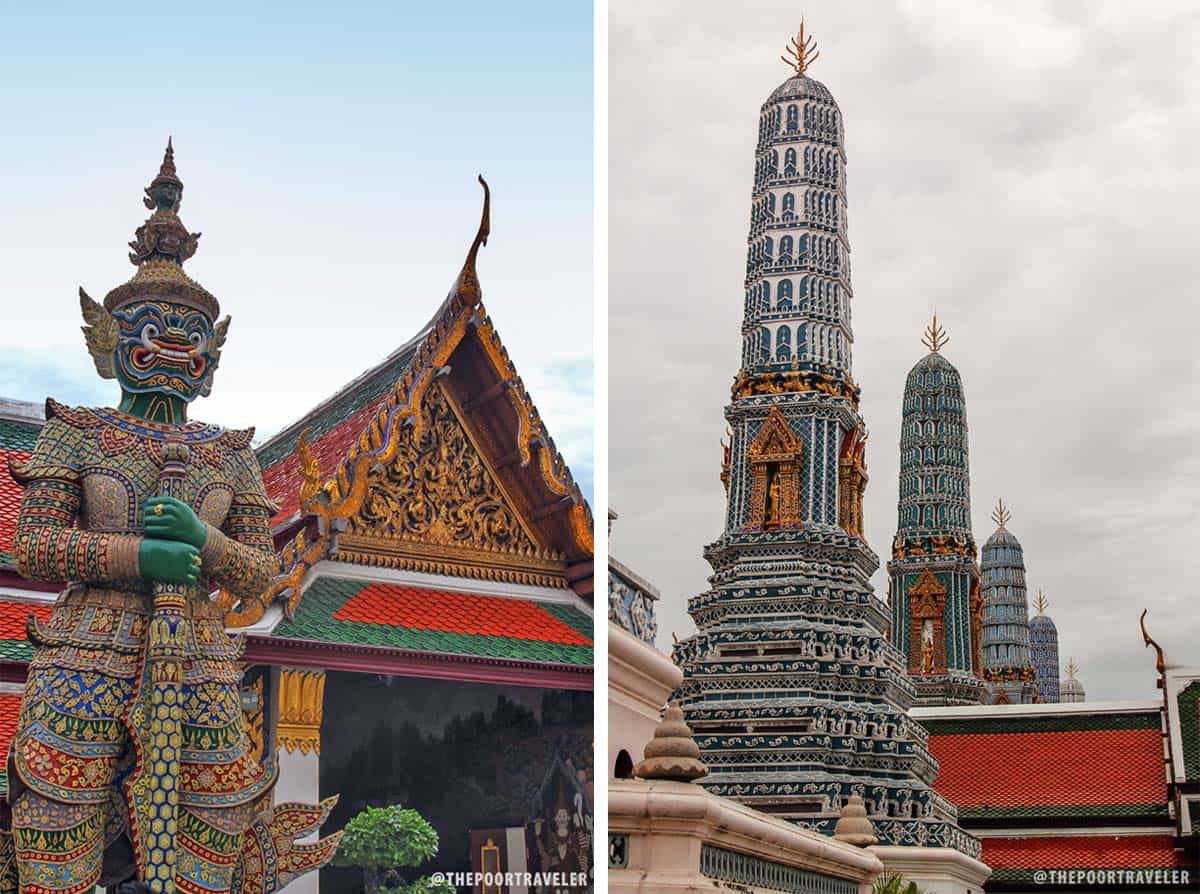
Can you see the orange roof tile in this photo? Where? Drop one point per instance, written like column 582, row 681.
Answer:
column 1081, row 852
column 10, row 708
column 451, row 612
column 10, row 498
column 1023, row 769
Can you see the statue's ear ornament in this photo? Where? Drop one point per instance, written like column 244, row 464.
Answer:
column 220, row 331
column 100, row 333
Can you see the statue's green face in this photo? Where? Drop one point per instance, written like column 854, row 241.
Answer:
column 165, row 347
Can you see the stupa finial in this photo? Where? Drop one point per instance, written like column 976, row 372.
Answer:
column 1041, row 604
column 935, row 336
column 1072, row 669
column 1001, row 515
column 803, row 52
column 672, row 754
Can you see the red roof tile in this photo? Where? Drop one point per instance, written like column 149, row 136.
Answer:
column 13, row 615
column 10, row 498
column 10, row 708
column 1036, row 769
column 450, row 612
column 282, row 480
column 1081, row 852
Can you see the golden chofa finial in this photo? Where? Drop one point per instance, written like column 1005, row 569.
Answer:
column 802, row 51
column 1072, row 669
column 1001, row 515
column 935, row 336
column 1041, row 604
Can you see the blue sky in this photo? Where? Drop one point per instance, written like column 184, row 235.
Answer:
column 329, row 158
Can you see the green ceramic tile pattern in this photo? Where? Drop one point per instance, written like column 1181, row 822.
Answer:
column 314, row 621
column 1090, row 811
column 1034, row 724
column 15, row 650
column 572, row 617
column 18, row 435
column 1188, row 702
column 342, row 408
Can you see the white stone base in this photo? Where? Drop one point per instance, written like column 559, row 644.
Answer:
column 936, row 870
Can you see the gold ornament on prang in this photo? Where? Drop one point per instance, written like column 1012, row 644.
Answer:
column 852, row 483
column 438, row 508
column 301, row 704
column 776, row 456
column 927, row 602
column 976, row 628
column 796, row 382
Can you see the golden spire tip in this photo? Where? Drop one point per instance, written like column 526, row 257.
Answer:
column 935, row 336
column 803, row 52
column 1001, row 515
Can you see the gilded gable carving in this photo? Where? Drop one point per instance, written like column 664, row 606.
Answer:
column 437, row 507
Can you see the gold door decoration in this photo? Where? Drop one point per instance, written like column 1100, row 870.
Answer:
column 927, row 636
column 489, row 861
column 437, row 507
column 301, row 703
column 852, row 482
column 775, row 464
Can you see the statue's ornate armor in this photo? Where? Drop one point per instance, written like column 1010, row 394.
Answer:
column 80, row 521
column 131, row 763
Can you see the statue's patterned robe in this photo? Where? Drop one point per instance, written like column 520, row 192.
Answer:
column 81, row 523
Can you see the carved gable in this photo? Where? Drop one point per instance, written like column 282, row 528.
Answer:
column 439, row 507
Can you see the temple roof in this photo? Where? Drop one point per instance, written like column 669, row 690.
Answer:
column 14, row 615
column 1050, row 762
column 19, row 427
column 10, row 711
column 337, row 478
column 801, row 87
column 933, row 360
column 1000, row 537
column 333, row 426
column 413, row 618
column 1016, row 860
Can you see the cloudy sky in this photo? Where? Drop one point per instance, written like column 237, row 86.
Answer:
column 1029, row 171
column 329, row 154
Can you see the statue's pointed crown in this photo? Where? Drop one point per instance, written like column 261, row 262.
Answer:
column 159, row 248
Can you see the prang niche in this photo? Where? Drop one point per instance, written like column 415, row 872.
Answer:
column 776, row 456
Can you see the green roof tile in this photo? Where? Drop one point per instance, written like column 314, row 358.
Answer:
column 314, row 621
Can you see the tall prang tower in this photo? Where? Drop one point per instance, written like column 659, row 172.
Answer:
column 1043, row 650
column 1007, row 662
column 796, row 696
column 937, row 609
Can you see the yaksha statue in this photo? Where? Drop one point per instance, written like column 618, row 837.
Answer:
column 131, row 765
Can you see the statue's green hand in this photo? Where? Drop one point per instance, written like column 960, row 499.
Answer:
column 168, row 560
column 175, row 521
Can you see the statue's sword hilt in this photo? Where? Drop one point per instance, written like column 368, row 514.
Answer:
column 157, row 717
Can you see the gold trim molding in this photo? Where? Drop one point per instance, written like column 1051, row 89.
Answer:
column 301, row 703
